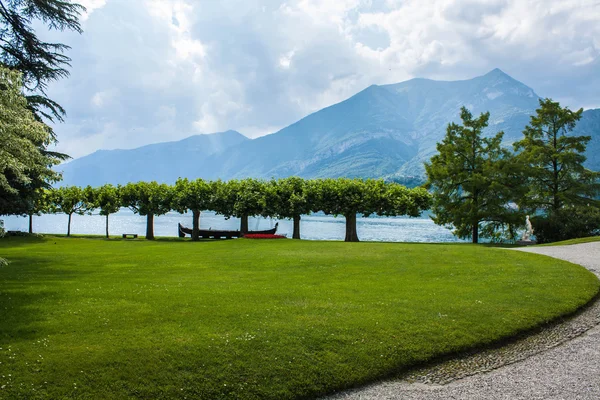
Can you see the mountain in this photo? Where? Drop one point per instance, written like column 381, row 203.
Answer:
column 589, row 125
column 162, row 162
column 382, row 131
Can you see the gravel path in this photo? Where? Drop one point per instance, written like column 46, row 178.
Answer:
column 561, row 362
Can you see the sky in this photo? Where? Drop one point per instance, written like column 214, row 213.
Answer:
column 148, row 71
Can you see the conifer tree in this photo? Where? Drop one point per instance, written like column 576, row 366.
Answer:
column 473, row 179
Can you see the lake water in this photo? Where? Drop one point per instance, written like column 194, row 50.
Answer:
column 313, row 227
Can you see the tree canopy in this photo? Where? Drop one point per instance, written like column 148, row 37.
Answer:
column 107, row 199
column 195, row 196
column 149, row 199
column 560, row 190
column 22, row 50
column 24, row 166
column 553, row 161
column 473, row 179
column 290, row 198
column 70, row 200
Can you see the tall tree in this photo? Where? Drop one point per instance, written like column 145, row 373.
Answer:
column 290, row 198
column 472, row 179
column 149, row 199
column 107, row 198
column 24, row 167
column 553, row 161
column 40, row 62
column 195, row 196
column 69, row 200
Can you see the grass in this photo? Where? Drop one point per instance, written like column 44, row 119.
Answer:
column 251, row 319
column 574, row 241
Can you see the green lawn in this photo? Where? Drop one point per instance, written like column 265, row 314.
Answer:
column 256, row 319
column 574, row 241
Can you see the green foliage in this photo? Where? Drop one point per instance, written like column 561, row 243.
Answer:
column 149, row 199
column 69, row 200
column 553, row 162
column 192, row 195
column 569, row 223
column 145, row 198
column 40, row 62
column 473, row 179
column 24, row 166
column 106, row 198
column 289, row 197
column 349, row 197
column 265, row 320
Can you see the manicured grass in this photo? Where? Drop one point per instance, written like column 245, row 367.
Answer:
column 574, row 241
column 256, row 319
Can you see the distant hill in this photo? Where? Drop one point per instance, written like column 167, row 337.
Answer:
column 383, row 131
column 162, row 162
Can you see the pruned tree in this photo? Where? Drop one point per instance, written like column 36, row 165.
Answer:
column 69, row 200
column 239, row 198
column 106, row 198
column 349, row 197
column 149, row 199
column 193, row 195
column 289, row 198
column 473, row 180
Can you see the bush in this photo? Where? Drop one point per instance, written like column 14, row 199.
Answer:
column 571, row 223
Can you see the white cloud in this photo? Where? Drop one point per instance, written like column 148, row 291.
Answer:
column 155, row 70
column 91, row 6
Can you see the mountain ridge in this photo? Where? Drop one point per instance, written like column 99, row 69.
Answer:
column 381, row 131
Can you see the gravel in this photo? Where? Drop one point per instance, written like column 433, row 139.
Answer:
column 562, row 361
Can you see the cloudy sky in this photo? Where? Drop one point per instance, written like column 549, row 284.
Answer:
column 147, row 71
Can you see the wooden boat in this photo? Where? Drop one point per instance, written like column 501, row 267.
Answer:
column 218, row 234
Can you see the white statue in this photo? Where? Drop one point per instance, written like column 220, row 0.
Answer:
column 528, row 230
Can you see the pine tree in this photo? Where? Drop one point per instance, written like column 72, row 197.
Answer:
column 561, row 191
column 473, row 180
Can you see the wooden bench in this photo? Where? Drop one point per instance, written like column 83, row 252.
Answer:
column 133, row 235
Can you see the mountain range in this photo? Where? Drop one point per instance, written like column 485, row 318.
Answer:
column 383, row 131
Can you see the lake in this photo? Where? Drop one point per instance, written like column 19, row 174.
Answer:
column 313, row 227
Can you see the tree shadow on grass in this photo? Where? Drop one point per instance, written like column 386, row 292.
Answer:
column 24, row 288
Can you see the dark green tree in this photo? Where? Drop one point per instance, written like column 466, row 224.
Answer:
column 289, row 198
column 553, row 161
column 473, row 180
column 22, row 50
column 69, row 200
column 560, row 190
column 106, row 198
column 193, row 195
column 149, row 199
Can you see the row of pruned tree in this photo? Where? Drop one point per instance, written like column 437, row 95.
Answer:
column 288, row 198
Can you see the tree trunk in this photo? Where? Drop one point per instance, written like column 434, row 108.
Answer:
column 476, row 232
column 296, row 234
column 107, row 226
column 69, row 226
column 195, row 225
column 30, row 223
column 351, row 235
column 244, row 224
column 150, row 227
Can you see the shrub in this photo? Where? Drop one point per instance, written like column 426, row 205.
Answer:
column 570, row 223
